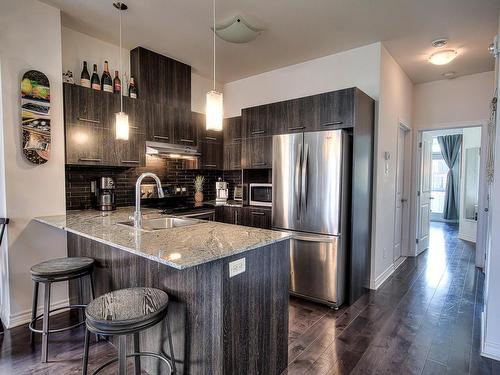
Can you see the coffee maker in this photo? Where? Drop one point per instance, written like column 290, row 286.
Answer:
column 221, row 192
column 103, row 194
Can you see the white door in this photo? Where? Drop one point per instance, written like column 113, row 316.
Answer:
column 424, row 206
column 400, row 195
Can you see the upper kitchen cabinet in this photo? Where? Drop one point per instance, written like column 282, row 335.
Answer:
column 185, row 130
column 210, row 143
column 255, row 121
column 161, row 79
column 257, row 153
column 232, row 143
column 232, row 129
column 336, row 109
column 158, row 125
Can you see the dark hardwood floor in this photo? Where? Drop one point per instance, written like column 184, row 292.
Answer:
column 424, row 320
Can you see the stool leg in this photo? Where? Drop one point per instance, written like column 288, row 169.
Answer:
column 86, row 352
column 122, row 355
column 45, row 334
column 34, row 307
column 137, row 349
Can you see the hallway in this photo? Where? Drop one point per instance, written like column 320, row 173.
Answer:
column 426, row 319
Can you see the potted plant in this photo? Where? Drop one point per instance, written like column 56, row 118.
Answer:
column 198, row 188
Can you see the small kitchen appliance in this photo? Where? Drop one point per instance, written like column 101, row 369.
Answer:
column 261, row 194
column 103, row 194
column 238, row 193
column 221, row 192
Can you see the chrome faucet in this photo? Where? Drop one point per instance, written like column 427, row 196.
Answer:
column 137, row 212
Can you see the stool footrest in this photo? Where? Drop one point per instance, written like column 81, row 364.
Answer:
column 32, row 324
column 140, row 354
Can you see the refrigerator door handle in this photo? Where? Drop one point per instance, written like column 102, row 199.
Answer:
column 305, row 177
column 297, row 179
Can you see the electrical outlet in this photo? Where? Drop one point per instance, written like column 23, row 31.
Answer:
column 236, row 267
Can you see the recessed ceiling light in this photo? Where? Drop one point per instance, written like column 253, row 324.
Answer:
column 449, row 75
column 443, row 57
column 439, row 43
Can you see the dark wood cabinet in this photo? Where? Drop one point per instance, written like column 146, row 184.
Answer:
column 336, row 109
column 257, row 217
column 257, row 153
column 232, row 130
column 256, row 121
column 232, row 143
column 185, row 131
column 158, row 125
column 232, row 156
column 210, row 143
column 161, row 79
column 229, row 215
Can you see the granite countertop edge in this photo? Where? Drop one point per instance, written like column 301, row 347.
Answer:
column 264, row 242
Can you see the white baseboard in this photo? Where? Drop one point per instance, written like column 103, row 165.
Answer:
column 375, row 284
column 488, row 349
column 466, row 237
column 24, row 317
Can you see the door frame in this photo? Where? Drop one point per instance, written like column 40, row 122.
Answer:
column 405, row 212
column 483, row 193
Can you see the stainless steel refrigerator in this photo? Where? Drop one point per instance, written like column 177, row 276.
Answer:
column 311, row 199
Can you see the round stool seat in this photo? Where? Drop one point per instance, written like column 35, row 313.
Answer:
column 60, row 267
column 126, row 310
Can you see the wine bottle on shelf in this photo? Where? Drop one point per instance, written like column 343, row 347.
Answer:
column 117, row 84
column 85, row 76
column 106, row 81
column 96, row 84
column 132, row 90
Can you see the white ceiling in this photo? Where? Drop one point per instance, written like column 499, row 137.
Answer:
column 297, row 31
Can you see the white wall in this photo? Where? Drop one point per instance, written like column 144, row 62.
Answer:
column 395, row 106
column 30, row 190
column 77, row 47
column 467, row 229
column 357, row 67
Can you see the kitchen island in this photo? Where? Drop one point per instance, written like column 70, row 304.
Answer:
column 226, row 318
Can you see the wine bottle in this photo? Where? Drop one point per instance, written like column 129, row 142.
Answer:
column 96, row 85
column 132, row 90
column 106, row 81
column 85, row 76
column 117, row 84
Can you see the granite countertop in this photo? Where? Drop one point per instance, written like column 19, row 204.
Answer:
column 181, row 247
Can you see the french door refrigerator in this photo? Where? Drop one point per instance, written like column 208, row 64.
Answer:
column 311, row 199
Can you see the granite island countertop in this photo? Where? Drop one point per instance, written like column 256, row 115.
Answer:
column 181, row 247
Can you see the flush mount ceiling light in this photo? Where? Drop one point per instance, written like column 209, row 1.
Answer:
column 439, row 42
column 443, row 57
column 122, row 127
column 449, row 75
column 237, row 30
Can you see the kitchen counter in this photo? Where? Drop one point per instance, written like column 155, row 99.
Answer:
column 181, row 247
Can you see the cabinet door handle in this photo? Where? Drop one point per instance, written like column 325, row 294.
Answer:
column 237, row 139
column 260, row 163
column 297, row 128
column 88, row 120
column 187, row 140
column 258, row 132
column 130, row 161
column 133, row 127
column 332, row 123
column 160, row 137
column 90, row 159
column 258, row 213
column 210, row 138
column 211, row 165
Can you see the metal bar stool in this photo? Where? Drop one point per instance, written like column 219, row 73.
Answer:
column 52, row 271
column 127, row 312
column 3, row 223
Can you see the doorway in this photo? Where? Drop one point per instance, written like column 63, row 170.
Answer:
column 401, row 196
column 448, row 188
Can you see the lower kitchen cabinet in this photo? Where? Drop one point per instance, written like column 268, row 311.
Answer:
column 250, row 216
column 257, row 153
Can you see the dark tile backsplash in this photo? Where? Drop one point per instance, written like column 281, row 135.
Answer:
column 169, row 171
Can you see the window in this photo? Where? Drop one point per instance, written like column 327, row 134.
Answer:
column 439, row 177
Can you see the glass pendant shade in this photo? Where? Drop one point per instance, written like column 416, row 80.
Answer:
column 214, row 110
column 121, row 126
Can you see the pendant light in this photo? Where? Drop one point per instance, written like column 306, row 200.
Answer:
column 214, row 98
column 121, row 118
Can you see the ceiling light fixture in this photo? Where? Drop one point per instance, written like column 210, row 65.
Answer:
column 449, row 75
column 214, row 104
column 443, row 57
column 122, row 127
column 237, row 30
column 439, row 42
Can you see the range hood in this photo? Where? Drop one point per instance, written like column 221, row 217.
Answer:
column 171, row 150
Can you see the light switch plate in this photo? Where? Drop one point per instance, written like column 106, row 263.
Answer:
column 236, row 267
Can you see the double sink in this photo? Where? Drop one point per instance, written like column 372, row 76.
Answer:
column 162, row 223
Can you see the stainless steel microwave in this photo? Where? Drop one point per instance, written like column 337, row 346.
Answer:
column 260, row 195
